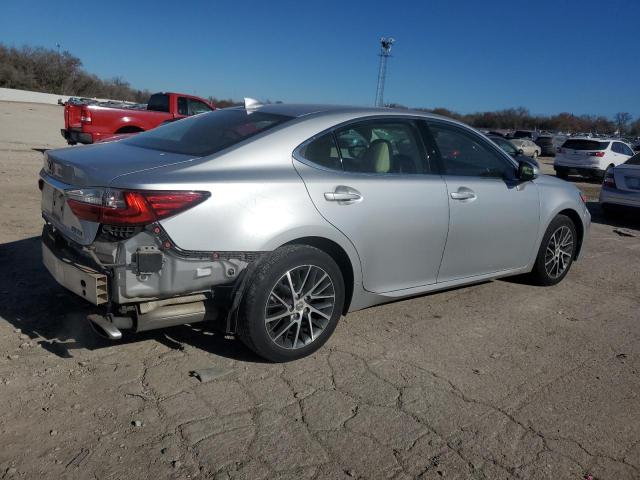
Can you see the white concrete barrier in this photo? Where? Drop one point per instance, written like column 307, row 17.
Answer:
column 13, row 95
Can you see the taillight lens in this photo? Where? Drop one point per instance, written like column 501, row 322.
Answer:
column 596, row 154
column 609, row 179
column 125, row 207
column 85, row 116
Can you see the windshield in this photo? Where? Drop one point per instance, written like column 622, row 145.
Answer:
column 577, row 144
column 207, row 133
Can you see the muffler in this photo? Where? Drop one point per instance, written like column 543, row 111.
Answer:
column 172, row 315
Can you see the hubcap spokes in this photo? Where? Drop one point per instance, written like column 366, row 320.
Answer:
column 299, row 306
column 559, row 252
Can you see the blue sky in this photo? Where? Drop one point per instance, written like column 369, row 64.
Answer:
column 548, row 56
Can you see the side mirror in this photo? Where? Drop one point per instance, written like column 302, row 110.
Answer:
column 527, row 171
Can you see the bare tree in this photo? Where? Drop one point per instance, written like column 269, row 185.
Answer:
column 621, row 120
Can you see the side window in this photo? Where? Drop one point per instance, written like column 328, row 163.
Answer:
column 182, row 106
column 465, row 154
column 384, row 147
column 323, row 152
column 626, row 150
column 196, row 107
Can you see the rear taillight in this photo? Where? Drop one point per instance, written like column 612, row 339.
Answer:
column 609, row 180
column 596, row 154
column 125, row 207
column 85, row 116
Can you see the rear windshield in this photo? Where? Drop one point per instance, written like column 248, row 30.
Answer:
column 207, row 133
column 545, row 141
column 585, row 145
column 522, row 134
column 635, row 160
column 159, row 102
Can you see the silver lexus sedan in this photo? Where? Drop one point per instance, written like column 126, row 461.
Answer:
column 273, row 221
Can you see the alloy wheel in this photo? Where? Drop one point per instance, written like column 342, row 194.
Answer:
column 299, row 306
column 559, row 252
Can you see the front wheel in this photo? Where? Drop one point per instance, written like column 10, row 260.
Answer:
column 292, row 304
column 556, row 252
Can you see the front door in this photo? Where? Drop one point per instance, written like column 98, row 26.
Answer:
column 494, row 219
column 373, row 182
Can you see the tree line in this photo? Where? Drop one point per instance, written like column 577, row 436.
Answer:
column 45, row 70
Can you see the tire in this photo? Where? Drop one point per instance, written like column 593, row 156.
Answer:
column 557, row 232
column 535, row 155
column 562, row 173
column 286, row 338
column 609, row 211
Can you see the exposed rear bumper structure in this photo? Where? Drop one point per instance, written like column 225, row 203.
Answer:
column 80, row 279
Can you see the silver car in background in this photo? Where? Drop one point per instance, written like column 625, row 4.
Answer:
column 621, row 187
column 276, row 220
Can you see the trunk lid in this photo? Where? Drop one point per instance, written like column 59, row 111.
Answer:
column 98, row 165
column 627, row 177
column 91, row 166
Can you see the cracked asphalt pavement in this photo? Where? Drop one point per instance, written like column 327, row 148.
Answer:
column 495, row 381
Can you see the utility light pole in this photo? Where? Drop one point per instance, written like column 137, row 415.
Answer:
column 385, row 53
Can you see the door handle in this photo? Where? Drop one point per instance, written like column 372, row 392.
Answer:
column 343, row 194
column 463, row 195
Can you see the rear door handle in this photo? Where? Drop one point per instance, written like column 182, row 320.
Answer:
column 463, row 195
column 343, row 194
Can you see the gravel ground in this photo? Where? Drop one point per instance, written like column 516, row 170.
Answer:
column 499, row 380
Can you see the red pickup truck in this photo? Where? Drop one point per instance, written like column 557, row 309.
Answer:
column 94, row 122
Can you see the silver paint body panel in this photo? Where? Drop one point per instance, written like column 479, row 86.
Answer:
column 406, row 237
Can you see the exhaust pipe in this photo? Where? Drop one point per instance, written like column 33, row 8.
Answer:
column 105, row 326
column 154, row 315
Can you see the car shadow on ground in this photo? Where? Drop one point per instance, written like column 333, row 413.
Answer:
column 55, row 319
column 623, row 217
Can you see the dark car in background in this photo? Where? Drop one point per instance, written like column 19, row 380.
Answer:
column 528, row 134
column 547, row 145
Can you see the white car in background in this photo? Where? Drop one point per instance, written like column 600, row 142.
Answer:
column 590, row 157
column 526, row 147
column 621, row 186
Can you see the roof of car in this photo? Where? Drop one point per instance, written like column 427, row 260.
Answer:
column 301, row 110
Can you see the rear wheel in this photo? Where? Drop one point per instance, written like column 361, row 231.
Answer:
column 535, row 154
column 292, row 304
column 556, row 252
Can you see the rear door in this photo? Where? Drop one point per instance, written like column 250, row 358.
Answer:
column 373, row 181
column 493, row 218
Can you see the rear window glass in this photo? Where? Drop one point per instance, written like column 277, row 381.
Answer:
column 585, row 145
column 158, row 102
column 208, row 133
column 522, row 134
column 545, row 141
column 635, row 160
